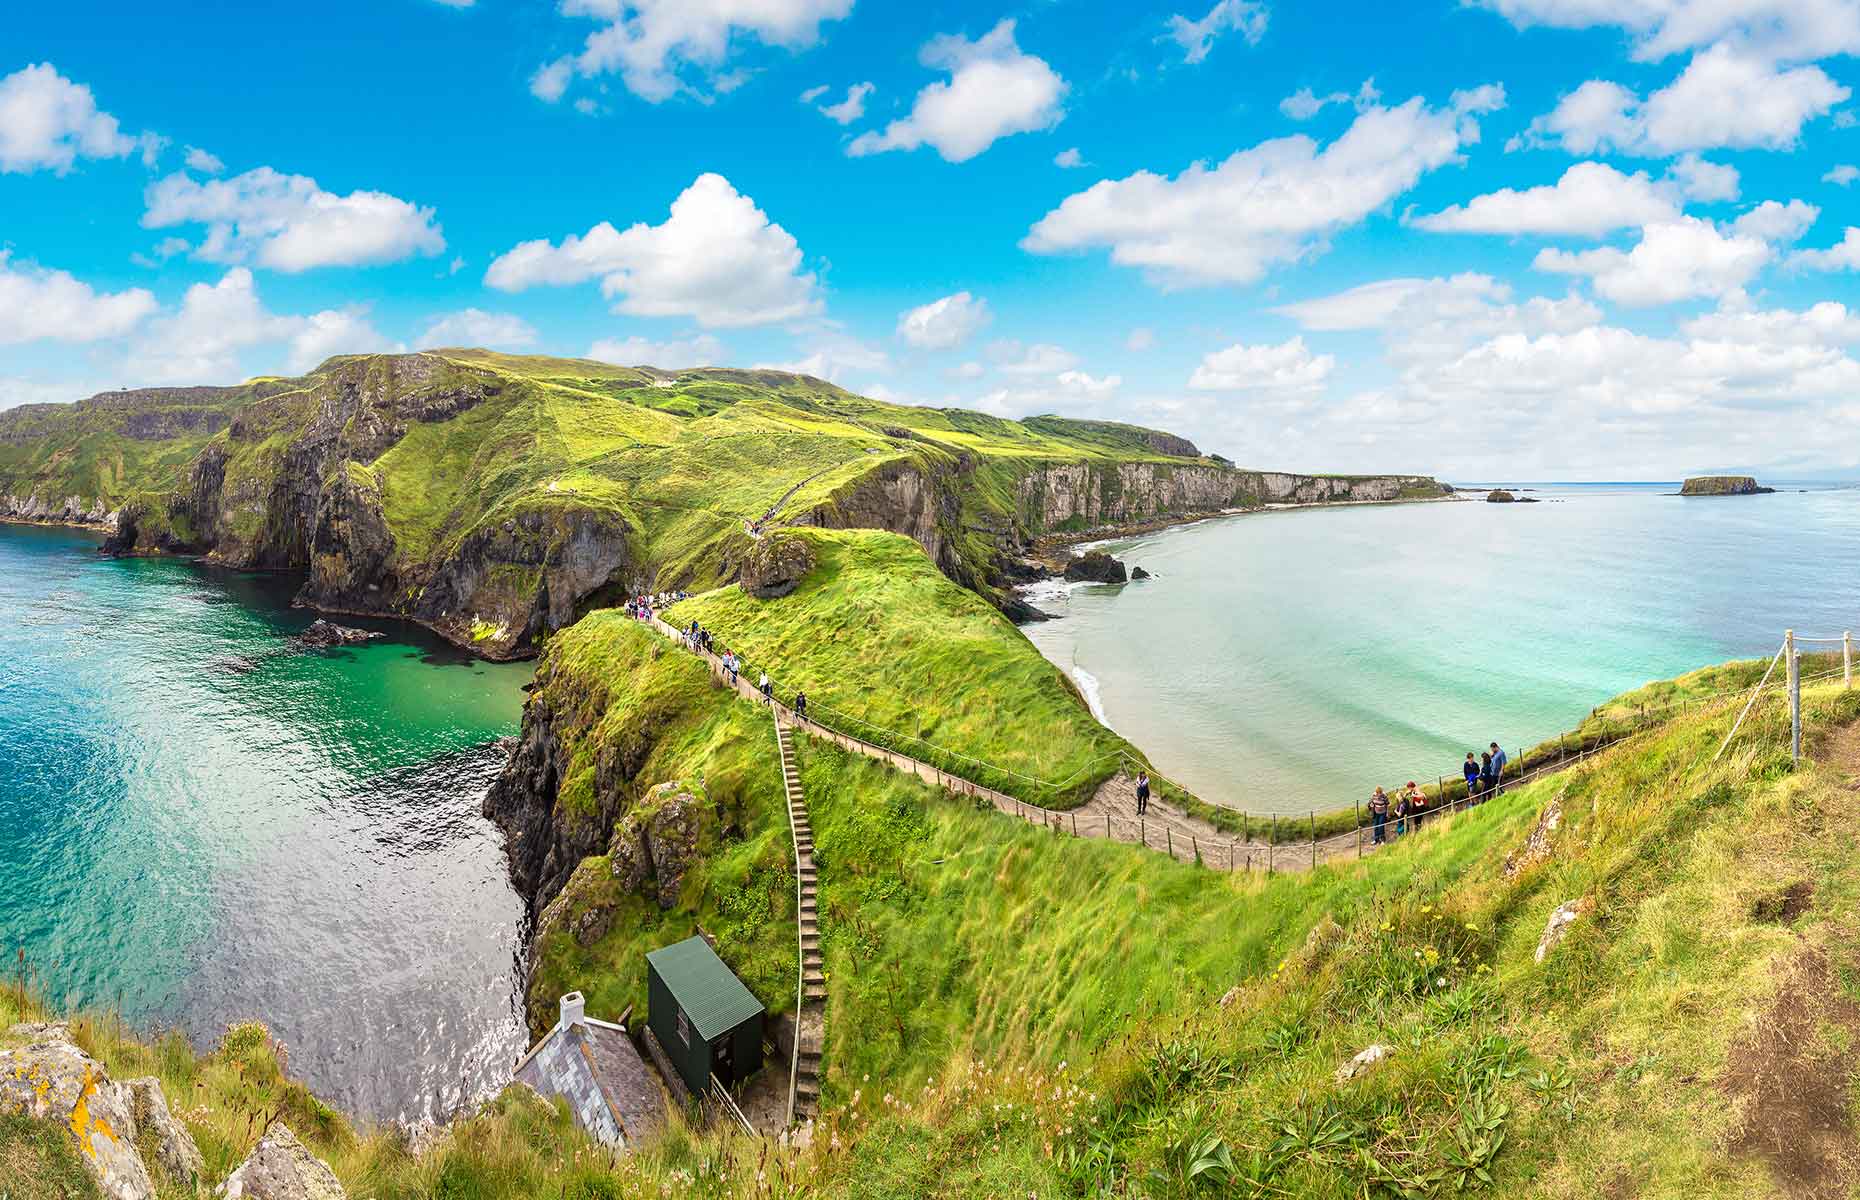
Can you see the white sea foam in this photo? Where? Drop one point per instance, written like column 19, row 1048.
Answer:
column 1094, row 699
column 1048, row 591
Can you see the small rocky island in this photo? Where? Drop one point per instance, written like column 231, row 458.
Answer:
column 1095, row 566
column 1723, row 485
column 323, row 634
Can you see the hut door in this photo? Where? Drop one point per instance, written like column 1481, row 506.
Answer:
column 723, row 1059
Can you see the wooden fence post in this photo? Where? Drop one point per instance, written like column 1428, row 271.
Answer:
column 1357, row 806
column 1795, row 696
column 1169, row 833
column 1075, row 824
column 1314, row 839
column 1195, row 845
column 1847, row 660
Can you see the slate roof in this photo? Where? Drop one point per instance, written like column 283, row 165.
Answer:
column 610, row 1090
column 710, row 994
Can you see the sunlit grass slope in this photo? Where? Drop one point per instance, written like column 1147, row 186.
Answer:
column 1014, row 1012
column 890, row 650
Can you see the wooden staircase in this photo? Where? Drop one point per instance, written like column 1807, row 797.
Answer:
column 811, row 992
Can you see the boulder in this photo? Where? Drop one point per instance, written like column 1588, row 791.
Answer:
column 1230, row 997
column 775, row 566
column 1095, row 566
column 656, row 843
column 327, row 633
column 174, row 1145
column 1363, row 1062
column 280, row 1168
column 1557, row 928
column 1139, row 573
column 1500, row 496
column 51, row 1080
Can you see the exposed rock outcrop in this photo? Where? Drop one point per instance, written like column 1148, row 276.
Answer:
column 1723, row 485
column 281, row 1168
column 1362, row 1063
column 1500, row 496
column 323, row 633
column 775, row 566
column 51, row 1079
column 656, row 843
column 71, row 510
column 174, row 1145
column 1139, row 573
column 1557, row 928
column 1095, row 566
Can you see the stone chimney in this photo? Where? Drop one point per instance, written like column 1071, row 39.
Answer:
column 574, row 1011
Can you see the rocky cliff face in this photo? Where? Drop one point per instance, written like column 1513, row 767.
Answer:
column 289, row 488
column 980, row 545
column 71, row 510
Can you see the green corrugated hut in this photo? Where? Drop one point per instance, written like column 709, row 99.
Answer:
column 706, row 1021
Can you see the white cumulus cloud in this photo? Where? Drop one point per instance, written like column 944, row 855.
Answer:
column 717, row 258
column 1675, row 260
column 1287, row 367
column 476, row 327
column 202, row 340
column 1196, row 38
column 700, row 351
column 1275, row 203
column 37, row 304
column 993, row 90
column 1844, row 255
column 288, row 223
column 662, row 47
column 1781, row 29
column 944, row 324
column 48, row 122
column 1723, row 99
column 1589, row 200
column 1842, row 175
column 848, row 110
column 1041, row 358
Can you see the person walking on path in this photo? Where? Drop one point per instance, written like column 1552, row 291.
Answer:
column 1143, row 792
column 766, row 688
column 1379, row 816
column 1417, row 806
column 800, row 705
column 1470, row 769
column 1498, row 767
column 1403, row 807
column 1487, row 781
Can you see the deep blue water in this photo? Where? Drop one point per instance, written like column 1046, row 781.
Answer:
column 199, row 824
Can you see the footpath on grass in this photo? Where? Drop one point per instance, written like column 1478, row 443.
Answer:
column 1110, row 813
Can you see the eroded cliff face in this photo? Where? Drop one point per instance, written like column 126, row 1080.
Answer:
column 290, row 488
column 70, row 510
column 942, row 506
column 1077, row 496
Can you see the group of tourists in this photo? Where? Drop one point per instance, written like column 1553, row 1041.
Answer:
column 700, row 640
column 642, row 606
column 1410, row 805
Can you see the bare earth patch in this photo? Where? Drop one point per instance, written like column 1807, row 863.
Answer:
column 1791, row 1085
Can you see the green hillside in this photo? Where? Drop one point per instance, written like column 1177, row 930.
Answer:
column 1012, row 1012
column 496, row 498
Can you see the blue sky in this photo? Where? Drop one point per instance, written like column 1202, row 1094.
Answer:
column 1550, row 238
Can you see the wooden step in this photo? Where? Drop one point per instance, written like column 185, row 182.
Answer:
column 807, row 1089
column 817, row 992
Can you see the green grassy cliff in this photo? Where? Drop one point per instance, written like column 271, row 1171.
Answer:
column 497, row 498
column 1016, row 1013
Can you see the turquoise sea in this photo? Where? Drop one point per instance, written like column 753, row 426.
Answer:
column 201, row 824
column 1292, row 660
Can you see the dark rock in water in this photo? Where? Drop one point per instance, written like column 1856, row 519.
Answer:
column 1500, row 496
column 1140, row 573
column 327, row 633
column 1723, row 485
column 1527, row 500
column 775, row 566
column 1095, row 567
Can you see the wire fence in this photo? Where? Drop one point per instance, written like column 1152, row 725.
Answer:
column 1257, row 844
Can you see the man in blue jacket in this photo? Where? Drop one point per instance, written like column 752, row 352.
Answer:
column 1498, row 768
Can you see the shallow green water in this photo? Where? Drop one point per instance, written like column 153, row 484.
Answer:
column 1293, row 660
column 199, row 823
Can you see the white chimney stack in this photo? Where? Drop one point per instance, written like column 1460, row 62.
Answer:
column 574, row 1010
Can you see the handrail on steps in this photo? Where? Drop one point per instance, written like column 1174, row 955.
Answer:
column 800, row 950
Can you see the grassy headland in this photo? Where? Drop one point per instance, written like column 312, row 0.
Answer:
column 1075, row 1018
